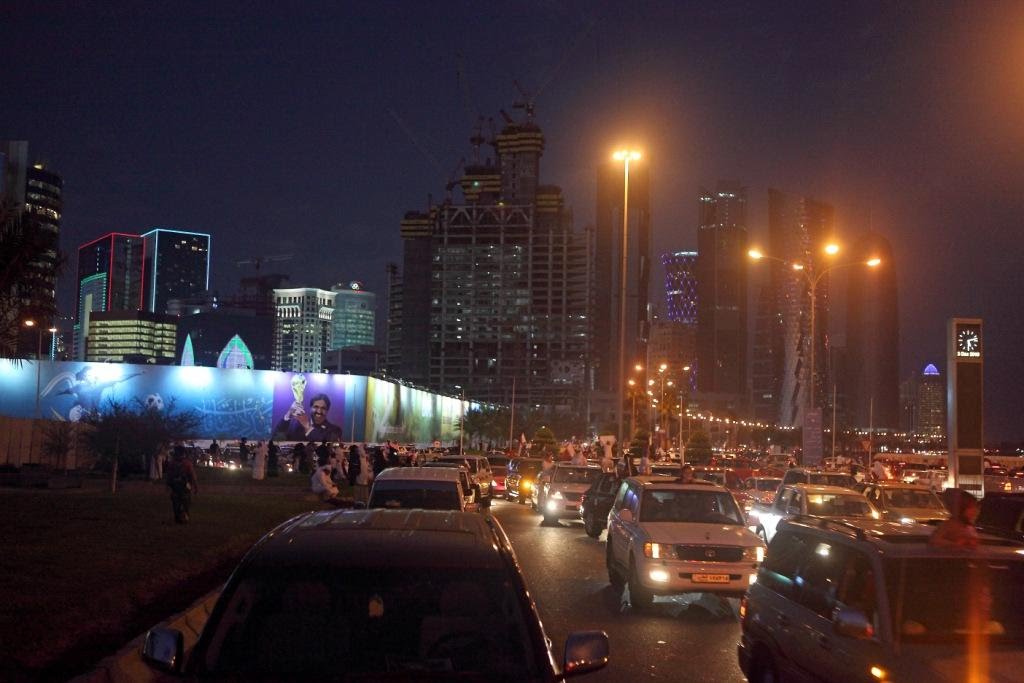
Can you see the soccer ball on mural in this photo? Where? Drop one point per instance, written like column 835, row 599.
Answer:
column 154, row 402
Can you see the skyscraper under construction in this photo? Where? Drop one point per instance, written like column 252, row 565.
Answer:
column 493, row 289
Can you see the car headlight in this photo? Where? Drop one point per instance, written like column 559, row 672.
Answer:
column 526, row 485
column 754, row 553
column 659, row 551
column 557, row 495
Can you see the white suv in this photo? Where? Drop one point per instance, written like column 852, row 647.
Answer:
column 667, row 538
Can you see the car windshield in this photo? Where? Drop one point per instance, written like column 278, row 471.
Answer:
column 575, row 475
column 768, row 484
column 446, row 498
column 909, row 498
column 700, row 507
column 837, row 505
column 978, row 597
column 332, row 623
column 821, row 479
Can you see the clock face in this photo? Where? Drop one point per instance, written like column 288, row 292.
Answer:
column 968, row 342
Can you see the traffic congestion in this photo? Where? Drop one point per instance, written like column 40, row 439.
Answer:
column 504, row 566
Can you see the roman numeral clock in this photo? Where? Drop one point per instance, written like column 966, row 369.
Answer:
column 965, row 355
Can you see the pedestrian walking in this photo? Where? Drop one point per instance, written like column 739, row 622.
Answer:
column 364, row 477
column 181, row 480
column 273, row 453
column 259, row 462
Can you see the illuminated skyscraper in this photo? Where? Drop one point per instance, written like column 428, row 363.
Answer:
column 302, row 329
column 797, row 228
column 493, row 291
column 355, row 316
column 131, row 337
column 31, row 197
column 721, row 269
column 931, row 404
column 681, row 286
column 177, row 266
column 109, row 279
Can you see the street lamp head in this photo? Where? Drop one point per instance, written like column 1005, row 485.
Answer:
column 52, row 329
column 755, row 254
column 626, row 155
column 663, row 367
column 686, row 368
column 632, row 382
column 798, row 266
column 831, row 248
column 30, row 323
column 638, row 367
column 650, row 382
column 874, row 262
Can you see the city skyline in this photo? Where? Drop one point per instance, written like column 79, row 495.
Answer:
column 879, row 118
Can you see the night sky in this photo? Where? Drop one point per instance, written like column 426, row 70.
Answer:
column 292, row 128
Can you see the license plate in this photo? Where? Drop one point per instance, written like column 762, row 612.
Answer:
column 711, row 578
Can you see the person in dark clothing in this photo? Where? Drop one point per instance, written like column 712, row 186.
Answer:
column 299, row 458
column 392, row 455
column 323, row 454
column 353, row 464
column 272, row 454
column 181, row 480
column 243, row 452
column 379, row 462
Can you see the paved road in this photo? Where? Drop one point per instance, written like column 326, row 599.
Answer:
column 689, row 638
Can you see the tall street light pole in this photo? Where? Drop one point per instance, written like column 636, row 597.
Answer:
column 812, row 284
column 624, row 156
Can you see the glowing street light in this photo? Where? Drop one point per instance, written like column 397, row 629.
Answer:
column 812, row 282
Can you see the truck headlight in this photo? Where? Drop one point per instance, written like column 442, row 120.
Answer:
column 659, row 551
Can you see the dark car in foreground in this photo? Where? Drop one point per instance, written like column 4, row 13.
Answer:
column 378, row 595
column 1002, row 514
column 869, row 600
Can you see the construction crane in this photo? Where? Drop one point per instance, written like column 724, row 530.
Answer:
column 258, row 261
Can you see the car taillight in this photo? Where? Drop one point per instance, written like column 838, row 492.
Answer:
column 743, row 610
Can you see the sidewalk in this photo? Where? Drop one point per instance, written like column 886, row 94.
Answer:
column 126, row 666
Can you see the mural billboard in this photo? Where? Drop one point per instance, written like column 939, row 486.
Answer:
column 235, row 403
column 408, row 415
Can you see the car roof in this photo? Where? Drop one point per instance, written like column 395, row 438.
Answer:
column 821, row 488
column 379, row 538
column 901, row 540
column 419, row 474
column 588, row 466
column 466, row 456
column 898, row 485
column 652, row 481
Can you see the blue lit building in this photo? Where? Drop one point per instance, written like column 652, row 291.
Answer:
column 681, row 286
column 177, row 266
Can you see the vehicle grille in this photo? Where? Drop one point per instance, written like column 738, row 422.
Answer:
column 709, row 553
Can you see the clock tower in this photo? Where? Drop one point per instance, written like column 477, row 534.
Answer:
column 965, row 357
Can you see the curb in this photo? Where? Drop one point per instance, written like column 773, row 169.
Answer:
column 126, row 665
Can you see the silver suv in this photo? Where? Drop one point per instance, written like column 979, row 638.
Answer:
column 873, row 601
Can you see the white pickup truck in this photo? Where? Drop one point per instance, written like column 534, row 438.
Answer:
column 792, row 500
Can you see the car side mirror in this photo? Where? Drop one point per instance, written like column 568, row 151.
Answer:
column 626, row 515
column 164, row 649
column 359, row 505
column 852, row 623
column 585, row 651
